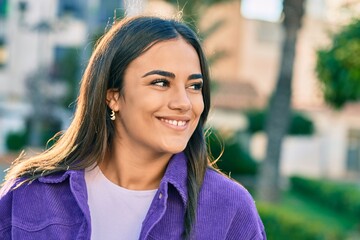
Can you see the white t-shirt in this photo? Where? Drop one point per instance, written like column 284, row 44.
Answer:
column 116, row 212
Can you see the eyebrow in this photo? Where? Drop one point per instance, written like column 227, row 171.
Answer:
column 195, row 76
column 171, row 75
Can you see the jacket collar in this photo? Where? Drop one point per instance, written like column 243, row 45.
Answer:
column 175, row 174
column 57, row 177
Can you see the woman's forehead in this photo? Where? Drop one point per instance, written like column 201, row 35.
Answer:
column 172, row 53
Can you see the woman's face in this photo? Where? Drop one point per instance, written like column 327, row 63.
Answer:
column 162, row 99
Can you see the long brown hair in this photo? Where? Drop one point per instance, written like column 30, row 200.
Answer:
column 90, row 134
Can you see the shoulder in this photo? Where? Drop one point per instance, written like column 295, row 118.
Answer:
column 29, row 194
column 52, row 186
column 45, row 207
column 217, row 184
column 48, row 198
column 35, row 189
column 231, row 206
column 6, row 196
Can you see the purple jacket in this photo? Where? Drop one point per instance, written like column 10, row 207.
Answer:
column 55, row 207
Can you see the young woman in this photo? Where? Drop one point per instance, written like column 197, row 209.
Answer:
column 133, row 163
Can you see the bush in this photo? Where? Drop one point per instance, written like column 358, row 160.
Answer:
column 234, row 158
column 299, row 125
column 281, row 224
column 16, row 141
column 341, row 197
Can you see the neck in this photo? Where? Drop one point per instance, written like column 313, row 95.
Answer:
column 135, row 170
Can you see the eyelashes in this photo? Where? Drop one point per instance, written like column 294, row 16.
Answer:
column 196, row 86
column 161, row 83
column 164, row 83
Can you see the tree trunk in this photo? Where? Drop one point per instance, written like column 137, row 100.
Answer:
column 279, row 111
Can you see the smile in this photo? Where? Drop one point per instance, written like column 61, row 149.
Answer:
column 177, row 123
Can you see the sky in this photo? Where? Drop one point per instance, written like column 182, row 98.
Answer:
column 267, row 10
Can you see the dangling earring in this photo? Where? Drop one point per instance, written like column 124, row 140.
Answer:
column 112, row 115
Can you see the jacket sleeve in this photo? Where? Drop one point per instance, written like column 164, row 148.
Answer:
column 6, row 196
column 246, row 224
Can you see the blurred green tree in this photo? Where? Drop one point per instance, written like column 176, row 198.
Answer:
column 193, row 10
column 232, row 158
column 16, row 141
column 191, row 13
column 338, row 66
column 278, row 117
column 68, row 70
column 300, row 124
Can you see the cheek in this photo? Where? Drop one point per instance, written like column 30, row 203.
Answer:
column 198, row 106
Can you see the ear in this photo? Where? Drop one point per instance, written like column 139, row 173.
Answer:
column 112, row 99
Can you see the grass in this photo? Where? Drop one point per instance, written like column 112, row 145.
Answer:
column 317, row 214
column 314, row 211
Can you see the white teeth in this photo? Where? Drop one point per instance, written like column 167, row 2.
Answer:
column 181, row 123
column 174, row 122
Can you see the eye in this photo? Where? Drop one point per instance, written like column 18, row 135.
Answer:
column 196, row 86
column 161, row 83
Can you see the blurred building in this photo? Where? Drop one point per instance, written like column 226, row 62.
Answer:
column 35, row 36
column 334, row 150
column 247, row 76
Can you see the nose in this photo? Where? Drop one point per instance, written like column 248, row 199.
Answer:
column 179, row 100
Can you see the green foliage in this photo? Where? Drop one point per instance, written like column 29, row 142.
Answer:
column 280, row 224
column 191, row 12
column 234, row 159
column 15, row 141
column 341, row 197
column 338, row 66
column 67, row 69
column 256, row 121
column 299, row 125
column 4, row 8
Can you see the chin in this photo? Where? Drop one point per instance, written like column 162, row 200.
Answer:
column 175, row 149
